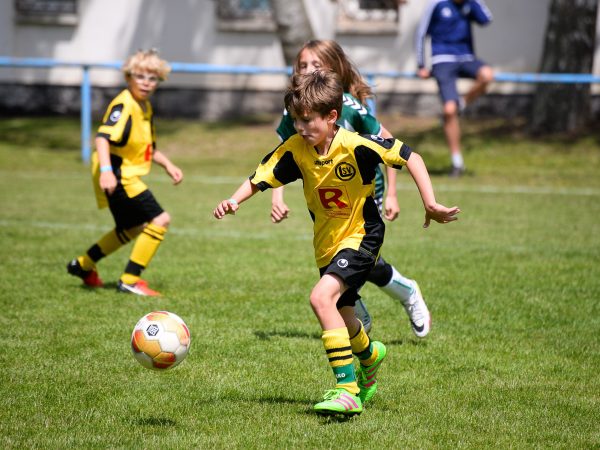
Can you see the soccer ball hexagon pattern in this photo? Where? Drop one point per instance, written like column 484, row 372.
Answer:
column 160, row 340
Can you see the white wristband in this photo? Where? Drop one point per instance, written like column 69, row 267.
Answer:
column 232, row 202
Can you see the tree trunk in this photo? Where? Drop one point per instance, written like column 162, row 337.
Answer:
column 293, row 26
column 568, row 48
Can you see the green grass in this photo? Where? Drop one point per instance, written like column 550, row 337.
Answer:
column 514, row 286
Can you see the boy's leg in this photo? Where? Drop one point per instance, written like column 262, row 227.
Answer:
column 369, row 353
column 336, row 341
column 144, row 249
column 84, row 266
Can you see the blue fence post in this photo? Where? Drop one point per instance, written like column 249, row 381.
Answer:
column 86, row 114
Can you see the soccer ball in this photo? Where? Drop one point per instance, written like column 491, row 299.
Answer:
column 160, row 340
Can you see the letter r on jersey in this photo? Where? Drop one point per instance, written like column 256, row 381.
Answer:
column 331, row 197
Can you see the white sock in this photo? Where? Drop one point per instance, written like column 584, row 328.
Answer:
column 457, row 160
column 399, row 286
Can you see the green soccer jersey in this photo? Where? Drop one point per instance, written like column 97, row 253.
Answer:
column 355, row 117
column 338, row 187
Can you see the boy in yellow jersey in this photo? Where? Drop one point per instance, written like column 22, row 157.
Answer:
column 125, row 150
column 337, row 168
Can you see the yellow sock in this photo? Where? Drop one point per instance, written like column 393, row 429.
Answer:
column 110, row 242
column 143, row 251
column 339, row 351
column 362, row 347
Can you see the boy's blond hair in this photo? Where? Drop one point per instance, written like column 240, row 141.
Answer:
column 146, row 61
column 320, row 91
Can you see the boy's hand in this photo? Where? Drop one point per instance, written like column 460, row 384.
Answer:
column 279, row 211
column 175, row 173
column 440, row 214
column 225, row 207
column 391, row 209
column 108, row 182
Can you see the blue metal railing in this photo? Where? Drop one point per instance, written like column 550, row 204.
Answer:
column 179, row 67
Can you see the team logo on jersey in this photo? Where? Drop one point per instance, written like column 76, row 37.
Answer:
column 446, row 12
column 345, row 171
column 376, row 138
column 342, row 263
column 115, row 114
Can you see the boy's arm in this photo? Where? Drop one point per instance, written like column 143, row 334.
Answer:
column 392, row 209
column 433, row 209
column 231, row 205
column 162, row 160
column 279, row 209
column 107, row 181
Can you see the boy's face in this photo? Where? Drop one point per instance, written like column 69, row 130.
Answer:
column 142, row 84
column 314, row 128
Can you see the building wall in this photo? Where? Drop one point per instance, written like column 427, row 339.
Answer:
column 188, row 31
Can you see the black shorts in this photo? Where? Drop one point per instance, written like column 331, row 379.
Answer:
column 353, row 267
column 132, row 212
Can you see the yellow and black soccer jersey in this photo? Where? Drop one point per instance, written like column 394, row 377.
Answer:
column 130, row 132
column 338, row 187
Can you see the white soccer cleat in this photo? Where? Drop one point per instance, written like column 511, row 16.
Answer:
column 415, row 307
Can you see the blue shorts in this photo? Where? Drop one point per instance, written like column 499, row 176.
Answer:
column 447, row 73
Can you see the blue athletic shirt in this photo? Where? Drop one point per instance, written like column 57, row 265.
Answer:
column 449, row 26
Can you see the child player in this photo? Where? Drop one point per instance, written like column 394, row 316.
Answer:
column 356, row 116
column 125, row 150
column 337, row 168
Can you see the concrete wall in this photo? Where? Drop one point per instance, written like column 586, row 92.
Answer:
column 187, row 31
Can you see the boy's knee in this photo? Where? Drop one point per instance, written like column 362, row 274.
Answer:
column 163, row 220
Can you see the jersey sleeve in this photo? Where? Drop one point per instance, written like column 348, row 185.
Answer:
column 359, row 117
column 391, row 152
column 114, row 122
column 286, row 126
column 276, row 169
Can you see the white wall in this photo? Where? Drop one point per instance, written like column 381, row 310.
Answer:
column 186, row 31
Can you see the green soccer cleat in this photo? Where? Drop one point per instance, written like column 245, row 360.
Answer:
column 366, row 375
column 339, row 401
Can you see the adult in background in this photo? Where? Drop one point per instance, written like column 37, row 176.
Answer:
column 448, row 23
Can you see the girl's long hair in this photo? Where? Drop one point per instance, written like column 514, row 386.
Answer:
column 332, row 56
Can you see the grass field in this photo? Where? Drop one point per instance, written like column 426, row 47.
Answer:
column 514, row 289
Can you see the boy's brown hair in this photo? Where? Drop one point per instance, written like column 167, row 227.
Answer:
column 320, row 91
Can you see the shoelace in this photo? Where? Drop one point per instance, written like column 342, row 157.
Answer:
column 332, row 394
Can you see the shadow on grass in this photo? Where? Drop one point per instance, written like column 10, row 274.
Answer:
column 155, row 422
column 267, row 335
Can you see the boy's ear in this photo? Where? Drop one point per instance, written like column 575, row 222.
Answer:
column 332, row 116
